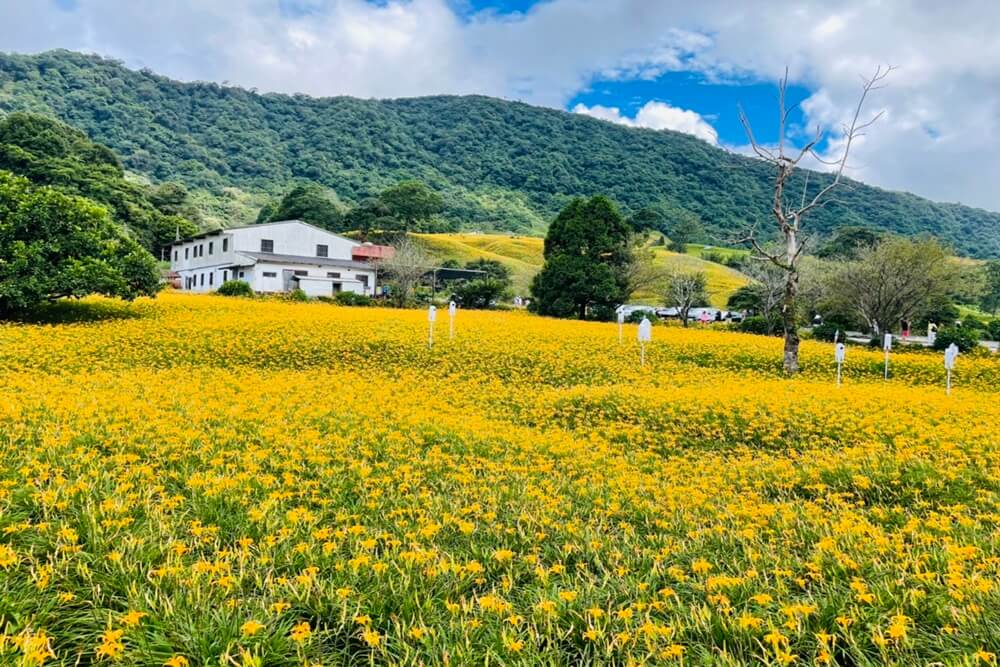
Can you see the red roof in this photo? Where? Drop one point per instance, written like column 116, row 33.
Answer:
column 370, row 252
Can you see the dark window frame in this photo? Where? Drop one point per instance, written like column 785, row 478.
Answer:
column 267, row 245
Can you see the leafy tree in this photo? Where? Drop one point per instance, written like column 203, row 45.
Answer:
column 482, row 292
column 965, row 338
column 312, row 203
column 990, row 300
column 54, row 245
column 848, row 241
column 897, row 280
column 371, row 214
column 48, row 152
column 492, row 268
column 684, row 229
column 412, row 202
column 684, row 291
column 587, row 256
column 405, row 269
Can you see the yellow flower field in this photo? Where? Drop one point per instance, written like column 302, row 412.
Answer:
column 201, row 480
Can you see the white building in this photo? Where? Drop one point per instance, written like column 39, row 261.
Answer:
column 276, row 257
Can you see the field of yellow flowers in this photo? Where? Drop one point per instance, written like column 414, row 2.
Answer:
column 211, row 481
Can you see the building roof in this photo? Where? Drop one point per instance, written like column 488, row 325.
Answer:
column 272, row 258
column 223, row 230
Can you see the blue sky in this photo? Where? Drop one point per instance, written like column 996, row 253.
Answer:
column 659, row 64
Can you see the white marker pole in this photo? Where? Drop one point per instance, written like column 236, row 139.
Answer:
column 887, row 345
column 451, row 319
column 839, row 353
column 621, row 323
column 950, row 355
column 431, row 316
column 645, row 335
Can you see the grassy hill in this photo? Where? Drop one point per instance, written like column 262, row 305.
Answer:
column 523, row 254
column 500, row 165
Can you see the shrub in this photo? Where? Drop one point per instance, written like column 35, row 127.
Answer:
column 481, row 292
column 298, row 295
column 827, row 331
column 235, row 288
column 636, row 316
column 352, row 299
column 757, row 324
column 965, row 338
column 993, row 330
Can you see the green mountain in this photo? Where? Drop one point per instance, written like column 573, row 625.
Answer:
column 499, row 165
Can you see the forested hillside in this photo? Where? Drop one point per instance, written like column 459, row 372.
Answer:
column 499, row 165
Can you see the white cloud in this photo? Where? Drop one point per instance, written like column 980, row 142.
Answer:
column 940, row 138
column 656, row 116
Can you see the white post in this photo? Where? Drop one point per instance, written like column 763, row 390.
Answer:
column 451, row 319
column 431, row 316
column 839, row 353
column 645, row 335
column 950, row 355
column 621, row 324
column 887, row 345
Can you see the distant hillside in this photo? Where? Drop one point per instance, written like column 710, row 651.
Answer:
column 523, row 255
column 500, row 165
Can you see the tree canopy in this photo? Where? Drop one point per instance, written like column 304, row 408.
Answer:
column 497, row 165
column 308, row 202
column 587, row 256
column 48, row 152
column 54, row 245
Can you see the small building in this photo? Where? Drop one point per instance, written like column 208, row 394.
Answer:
column 277, row 257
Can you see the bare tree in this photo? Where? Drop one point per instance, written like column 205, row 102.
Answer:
column 404, row 270
column 684, row 291
column 789, row 215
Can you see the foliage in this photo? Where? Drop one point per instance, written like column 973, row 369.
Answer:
column 990, row 300
column 235, row 288
column 404, row 270
column 828, row 331
column 493, row 268
column 760, row 325
column 498, row 165
column 846, row 242
column 352, row 299
column 412, row 202
column 524, row 494
column 966, row 338
column 684, row 291
column 481, row 292
column 899, row 279
column 308, row 202
column 47, row 152
column 587, row 256
column 685, row 229
column 54, row 245
column 993, row 330
column 297, row 294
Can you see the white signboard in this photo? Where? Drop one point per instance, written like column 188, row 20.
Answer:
column 887, row 342
column 621, row 323
column 451, row 319
column 839, row 353
column 432, row 314
column 645, row 331
column 451, row 309
column 950, row 356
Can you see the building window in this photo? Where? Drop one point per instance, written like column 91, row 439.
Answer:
column 333, row 274
column 203, row 280
column 241, row 274
column 301, row 273
column 337, row 287
column 187, row 252
column 267, row 245
column 363, row 279
column 225, row 245
column 176, row 253
column 211, row 247
column 225, row 276
column 322, row 251
column 211, row 278
column 266, row 274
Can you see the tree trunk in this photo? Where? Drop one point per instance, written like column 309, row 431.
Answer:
column 790, row 323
